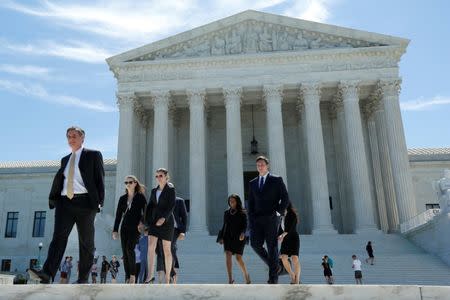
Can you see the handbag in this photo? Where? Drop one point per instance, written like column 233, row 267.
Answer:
column 221, row 233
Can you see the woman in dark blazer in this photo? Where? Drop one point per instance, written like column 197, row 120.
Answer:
column 290, row 243
column 130, row 212
column 160, row 222
column 232, row 236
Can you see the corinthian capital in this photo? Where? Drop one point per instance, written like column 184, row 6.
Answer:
column 160, row 98
column 232, row 95
column 389, row 87
column 310, row 91
column 126, row 100
column 272, row 92
column 349, row 90
column 196, row 97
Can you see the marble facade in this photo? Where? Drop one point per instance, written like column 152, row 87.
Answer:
column 346, row 171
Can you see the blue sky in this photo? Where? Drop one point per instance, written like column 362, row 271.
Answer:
column 53, row 73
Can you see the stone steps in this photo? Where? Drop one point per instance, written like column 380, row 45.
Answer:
column 398, row 261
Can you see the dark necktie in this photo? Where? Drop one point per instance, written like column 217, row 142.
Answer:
column 261, row 183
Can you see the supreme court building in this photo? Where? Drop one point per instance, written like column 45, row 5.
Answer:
column 321, row 101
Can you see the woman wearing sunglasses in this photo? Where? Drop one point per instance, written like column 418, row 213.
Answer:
column 160, row 222
column 130, row 212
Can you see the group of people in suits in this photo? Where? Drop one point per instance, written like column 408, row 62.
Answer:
column 270, row 218
column 78, row 191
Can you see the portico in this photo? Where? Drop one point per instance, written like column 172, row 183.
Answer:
column 186, row 104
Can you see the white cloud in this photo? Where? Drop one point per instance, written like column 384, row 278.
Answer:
column 73, row 50
column 25, row 70
column 424, row 104
column 141, row 22
column 39, row 92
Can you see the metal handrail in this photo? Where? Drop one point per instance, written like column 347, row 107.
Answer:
column 419, row 220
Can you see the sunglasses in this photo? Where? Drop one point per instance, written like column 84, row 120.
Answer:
column 129, row 182
column 159, row 176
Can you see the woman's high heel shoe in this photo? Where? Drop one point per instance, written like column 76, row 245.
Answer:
column 248, row 280
column 151, row 281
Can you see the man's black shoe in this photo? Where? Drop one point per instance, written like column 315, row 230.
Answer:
column 80, row 282
column 271, row 281
column 40, row 276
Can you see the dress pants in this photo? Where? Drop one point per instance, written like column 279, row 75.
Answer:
column 129, row 237
column 67, row 213
column 265, row 229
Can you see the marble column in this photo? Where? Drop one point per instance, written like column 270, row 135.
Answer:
column 386, row 170
column 345, row 191
column 369, row 110
column 197, row 162
column 359, row 173
column 404, row 192
column 235, row 169
column 310, row 94
column 125, row 151
column 160, row 129
column 273, row 96
column 338, row 203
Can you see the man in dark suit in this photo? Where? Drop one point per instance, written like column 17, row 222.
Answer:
column 77, row 194
column 180, row 217
column 268, row 199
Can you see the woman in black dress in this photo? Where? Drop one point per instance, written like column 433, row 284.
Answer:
column 130, row 212
column 232, row 236
column 369, row 250
column 327, row 271
column 290, row 243
column 160, row 222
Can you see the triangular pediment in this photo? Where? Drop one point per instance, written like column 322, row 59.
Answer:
column 255, row 32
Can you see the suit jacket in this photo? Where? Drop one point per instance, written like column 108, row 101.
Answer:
column 271, row 199
column 162, row 208
column 180, row 214
column 92, row 173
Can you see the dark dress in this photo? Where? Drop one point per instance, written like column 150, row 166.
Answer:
column 369, row 250
column 234, row 224
column 326, row 269
column 162, row 208
column 291, row 242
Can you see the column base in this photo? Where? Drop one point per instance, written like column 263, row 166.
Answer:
column 323, row 230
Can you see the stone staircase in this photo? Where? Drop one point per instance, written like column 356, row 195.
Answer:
column 397, row 261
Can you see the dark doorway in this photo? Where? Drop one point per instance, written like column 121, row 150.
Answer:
column 247, row 177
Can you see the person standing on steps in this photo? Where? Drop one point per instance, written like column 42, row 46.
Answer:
column 327, row 273
column 160, row 221
column 356, row 266
column 104, row 269
column 115, row 265
column 232, row 236
column 130, row 212
column 369, row 250
column 268, row 199
column 77, row 194
column 290, row 243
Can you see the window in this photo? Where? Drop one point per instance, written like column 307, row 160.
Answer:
column 6, row 265
column 39, row 224
column 11, row 225
column 431, row 206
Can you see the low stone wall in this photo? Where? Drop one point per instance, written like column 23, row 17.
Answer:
column 6, row 279
column 433, row 236
column 248, row 292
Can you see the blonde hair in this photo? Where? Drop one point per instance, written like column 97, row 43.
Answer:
column 164, row 171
